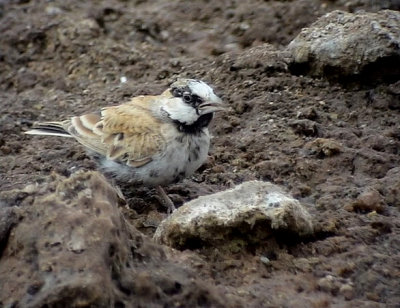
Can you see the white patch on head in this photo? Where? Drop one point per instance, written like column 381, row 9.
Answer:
column 202, row 90
column 180, row 111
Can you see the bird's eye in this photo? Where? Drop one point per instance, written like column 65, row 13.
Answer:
column 187, row 98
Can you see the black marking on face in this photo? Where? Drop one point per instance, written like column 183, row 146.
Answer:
column 192, row 99
column 197, row 127
column 187, row 96
column 120, row 136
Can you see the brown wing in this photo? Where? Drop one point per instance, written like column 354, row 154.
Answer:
column 127, row 133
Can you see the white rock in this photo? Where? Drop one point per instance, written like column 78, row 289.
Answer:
column 254, row 210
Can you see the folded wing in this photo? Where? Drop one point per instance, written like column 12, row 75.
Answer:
column 127, row 133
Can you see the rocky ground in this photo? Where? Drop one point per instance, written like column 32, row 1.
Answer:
column 315, row 112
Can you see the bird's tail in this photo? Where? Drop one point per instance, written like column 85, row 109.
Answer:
column 48, row 129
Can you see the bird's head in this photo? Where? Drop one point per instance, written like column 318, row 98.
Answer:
column 192, row 102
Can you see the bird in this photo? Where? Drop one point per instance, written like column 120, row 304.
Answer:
column 151, row 140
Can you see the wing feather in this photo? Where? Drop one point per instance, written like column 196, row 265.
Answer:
column 127, row 133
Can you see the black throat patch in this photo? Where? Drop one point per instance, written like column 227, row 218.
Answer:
column 197, row 126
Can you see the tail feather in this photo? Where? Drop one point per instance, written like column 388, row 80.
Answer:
column 48, row 129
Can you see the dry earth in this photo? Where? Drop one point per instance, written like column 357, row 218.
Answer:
column 334, row 146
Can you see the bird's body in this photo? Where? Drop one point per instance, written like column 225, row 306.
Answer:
column 150, row 140
column 181, row 155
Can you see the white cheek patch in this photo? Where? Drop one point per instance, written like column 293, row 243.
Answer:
column 181, row 112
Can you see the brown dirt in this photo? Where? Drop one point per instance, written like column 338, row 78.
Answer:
column 336, row 148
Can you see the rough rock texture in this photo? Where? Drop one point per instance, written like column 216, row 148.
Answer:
column 72, row 247
column 369, row 5
column 252, row 211
column 341, row 45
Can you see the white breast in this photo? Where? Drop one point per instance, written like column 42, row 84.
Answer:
column 182, row 156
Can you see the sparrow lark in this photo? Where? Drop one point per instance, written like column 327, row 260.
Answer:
column 150, row 140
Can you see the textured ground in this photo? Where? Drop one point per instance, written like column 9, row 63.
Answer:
column 334, row 147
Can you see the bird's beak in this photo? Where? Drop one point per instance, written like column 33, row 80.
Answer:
column 212, row 105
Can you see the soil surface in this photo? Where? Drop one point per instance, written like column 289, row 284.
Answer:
column 335, row 147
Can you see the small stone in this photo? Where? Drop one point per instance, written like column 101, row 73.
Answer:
column 323, row 147
column 307, row 113
column 368, row 201
column 5, row 149
column 265, row 260
column 328, row 284
column 304, row 127
column 53, row 10
column 250, row 212
column 38, row 106
column 347, row 291
column 373, row 296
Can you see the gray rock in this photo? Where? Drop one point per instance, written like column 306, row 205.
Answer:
column 73, row 248
column 251, row 211
column 342, row 45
